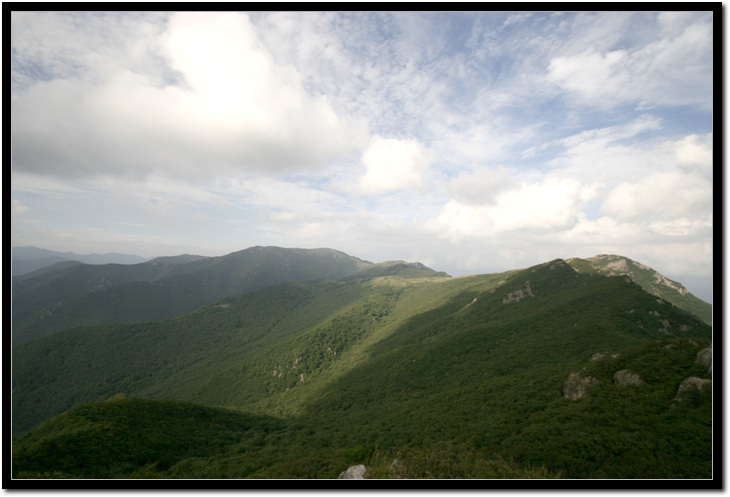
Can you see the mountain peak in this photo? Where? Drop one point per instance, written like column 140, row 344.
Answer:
column 618, row 265
column 648, row 278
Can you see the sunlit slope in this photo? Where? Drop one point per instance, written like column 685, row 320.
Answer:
column 490, row 374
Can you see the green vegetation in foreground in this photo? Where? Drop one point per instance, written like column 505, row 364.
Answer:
column 457, row 377
column 136, row 438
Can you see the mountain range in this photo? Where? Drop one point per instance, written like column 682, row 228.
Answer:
column 293, row 363
column 29, row 259
column 68, row 295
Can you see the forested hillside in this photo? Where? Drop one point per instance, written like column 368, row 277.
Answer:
column 86, row 294
column 537, row 373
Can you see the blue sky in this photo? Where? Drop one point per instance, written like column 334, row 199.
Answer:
column 471, row 142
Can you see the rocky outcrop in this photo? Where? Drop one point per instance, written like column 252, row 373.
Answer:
column 660, row 279
column 602, row 355
column 704, row 358
column 353, row 473
column 518, row 295
column 689, row 384
column 666, row 325
column 619, row 265
column 576, row 386
column 627, row 378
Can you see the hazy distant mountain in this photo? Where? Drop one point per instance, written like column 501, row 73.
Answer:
column 28, row 259
column 169, row 286
column 534, row 373
column 177, row 259
column 34, row 267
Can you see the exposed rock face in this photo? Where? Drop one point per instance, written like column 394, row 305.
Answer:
column 601, row 355
column 575, row 386
column 353, row 473
column 518, row 295
column 688, row 384
column 665, row 327
column 627, row 378
column 704, row 358
column 662, row 280
column 619, row 265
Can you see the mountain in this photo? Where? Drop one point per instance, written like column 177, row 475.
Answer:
column 84, row 294
column 650, row 280
column 397, row 268
column 29, row 259
column 177, row 259
column 539, row 372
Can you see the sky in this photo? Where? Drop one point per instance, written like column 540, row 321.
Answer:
column 473, row 142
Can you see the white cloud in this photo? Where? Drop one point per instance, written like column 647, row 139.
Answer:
column 590, row 74
column 236, row 111
column 480, row 186
column 667, row 70
column 613, row 153
column 283, row 216
column 630, row 152
column 660, row 196
column 611, row 134
column 552, row 205
column 19, row 209
column 384, row 135
column 683, row 227
column 694, row 151
column 393, row 164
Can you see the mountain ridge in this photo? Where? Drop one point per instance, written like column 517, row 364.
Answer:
column 29, row 258
column 651, row 280
column 60, row 299
column 341, row 366
column 57, row 297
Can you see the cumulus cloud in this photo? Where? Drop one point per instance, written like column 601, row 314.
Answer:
column 551, row 205
column 232, row 110
column 660, row 196
column 694, row 151
column 393, row 164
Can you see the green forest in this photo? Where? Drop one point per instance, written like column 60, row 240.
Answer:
column 558, row 371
